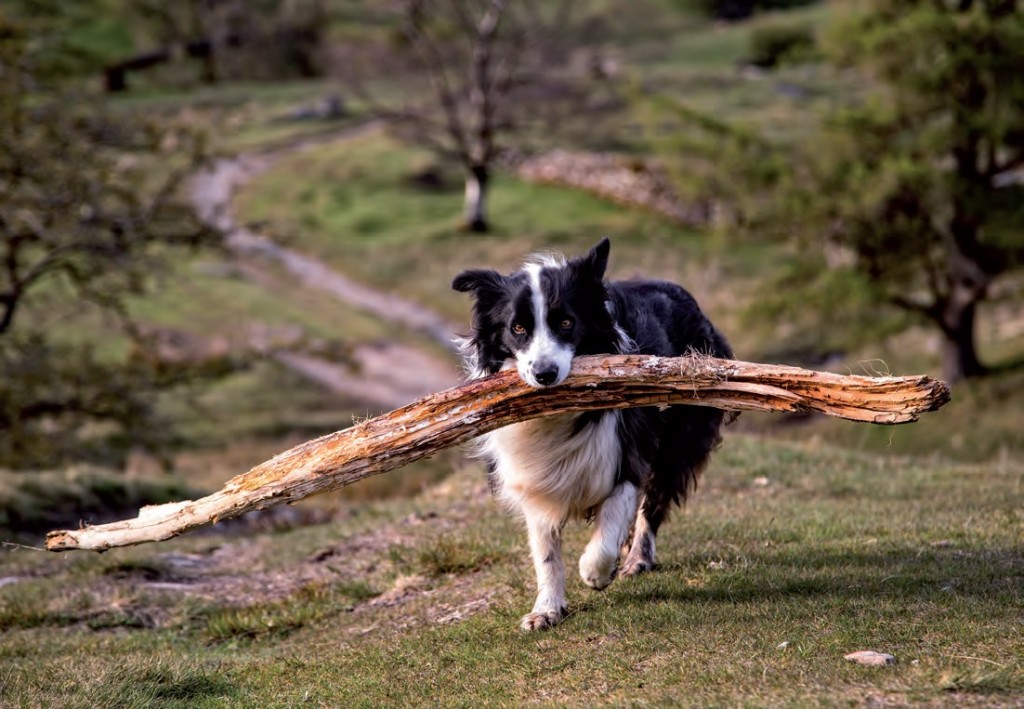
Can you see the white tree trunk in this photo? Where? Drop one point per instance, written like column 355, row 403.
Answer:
column 475, row 202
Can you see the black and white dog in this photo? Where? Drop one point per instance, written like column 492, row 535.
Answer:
column 622, row 469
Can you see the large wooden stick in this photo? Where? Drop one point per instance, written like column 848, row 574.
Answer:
column 459, row 414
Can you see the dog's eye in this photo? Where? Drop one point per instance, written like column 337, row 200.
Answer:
column 518, row 329
column 567, row 324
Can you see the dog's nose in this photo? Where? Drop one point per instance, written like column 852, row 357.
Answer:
column 545, row 374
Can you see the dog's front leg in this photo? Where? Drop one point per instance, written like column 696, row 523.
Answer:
column 600, row 559
column 546, row 550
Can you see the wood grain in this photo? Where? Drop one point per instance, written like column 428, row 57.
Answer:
column 457, row 415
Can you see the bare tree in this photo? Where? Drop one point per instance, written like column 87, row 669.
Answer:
column 488, row 64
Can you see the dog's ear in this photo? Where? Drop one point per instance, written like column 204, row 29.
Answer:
column 479, row 282
column 595, row 262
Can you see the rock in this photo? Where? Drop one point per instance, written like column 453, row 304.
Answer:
column 870, row 657
column 329, row 108
column 637, row 183
column 762, row 481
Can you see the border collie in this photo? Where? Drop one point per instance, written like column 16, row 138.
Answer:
column 623, row 469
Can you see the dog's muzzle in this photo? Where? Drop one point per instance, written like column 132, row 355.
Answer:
column 546, row 373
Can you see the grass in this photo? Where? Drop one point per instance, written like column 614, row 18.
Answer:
column 37, row 501
column 727, row 45
column 337, row 202
column 982, row 423
column 163, row 682
column 454, row 556
column 258, row 622
column 224, row 298
column 417, row 602
column 249, row 115
column 342, row 210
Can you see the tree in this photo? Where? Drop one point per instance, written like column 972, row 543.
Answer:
column 487, row 63
column 916, row 195
column 251, row 39
column 926, row 191
column 88, row 210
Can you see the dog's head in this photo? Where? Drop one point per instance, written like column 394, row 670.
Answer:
column 539, row 317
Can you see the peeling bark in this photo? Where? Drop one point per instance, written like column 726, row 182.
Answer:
column 457, row 415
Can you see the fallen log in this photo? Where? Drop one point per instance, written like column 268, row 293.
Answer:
column 456, row 415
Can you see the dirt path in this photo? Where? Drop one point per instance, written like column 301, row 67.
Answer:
column 378, row 377
column 387, row 374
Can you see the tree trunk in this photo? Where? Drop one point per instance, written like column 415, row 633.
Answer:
column 10, row 304
column 209, row 73
column 967, row 284
column 959, row 354
column 475, row 206
column 457, row 415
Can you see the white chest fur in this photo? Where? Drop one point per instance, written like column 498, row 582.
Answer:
column 541, row 464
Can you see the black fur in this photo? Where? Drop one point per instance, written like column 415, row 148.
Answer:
column 576, row 292
column 664, row 451
column 667, row 450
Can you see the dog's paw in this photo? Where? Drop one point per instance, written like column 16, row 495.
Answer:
column 596, row 570
column 635, row 567
column 542, row 620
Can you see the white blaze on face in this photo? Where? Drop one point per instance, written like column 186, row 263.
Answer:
column 545, row 352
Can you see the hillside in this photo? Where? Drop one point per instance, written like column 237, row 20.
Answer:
column 788, row 558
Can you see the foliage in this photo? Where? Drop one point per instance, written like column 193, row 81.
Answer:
column 89, row 207
column 774, row 43
column 910, row 198
column 915, row 186
column 705, row 154
column 237, row 39
column 742, row 9
column 56, row 393
column 32, row 503
column 72, row 39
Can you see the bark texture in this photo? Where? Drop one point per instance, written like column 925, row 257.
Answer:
column 456, row 415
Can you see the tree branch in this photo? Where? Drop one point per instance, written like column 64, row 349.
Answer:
column 1012, row 163
column 457, row 415
column 482, row 82
column 9, row 300
column 931, row 311
column 433, row 57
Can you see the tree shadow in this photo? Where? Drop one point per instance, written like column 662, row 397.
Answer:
column 911, row 573
column 1009, row 366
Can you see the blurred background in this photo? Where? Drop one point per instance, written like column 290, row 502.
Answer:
column 227, row 227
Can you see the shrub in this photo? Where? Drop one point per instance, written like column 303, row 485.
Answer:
column 773, row 44
column 740, row 9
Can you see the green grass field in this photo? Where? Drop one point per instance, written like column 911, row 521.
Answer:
column 787, row 558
